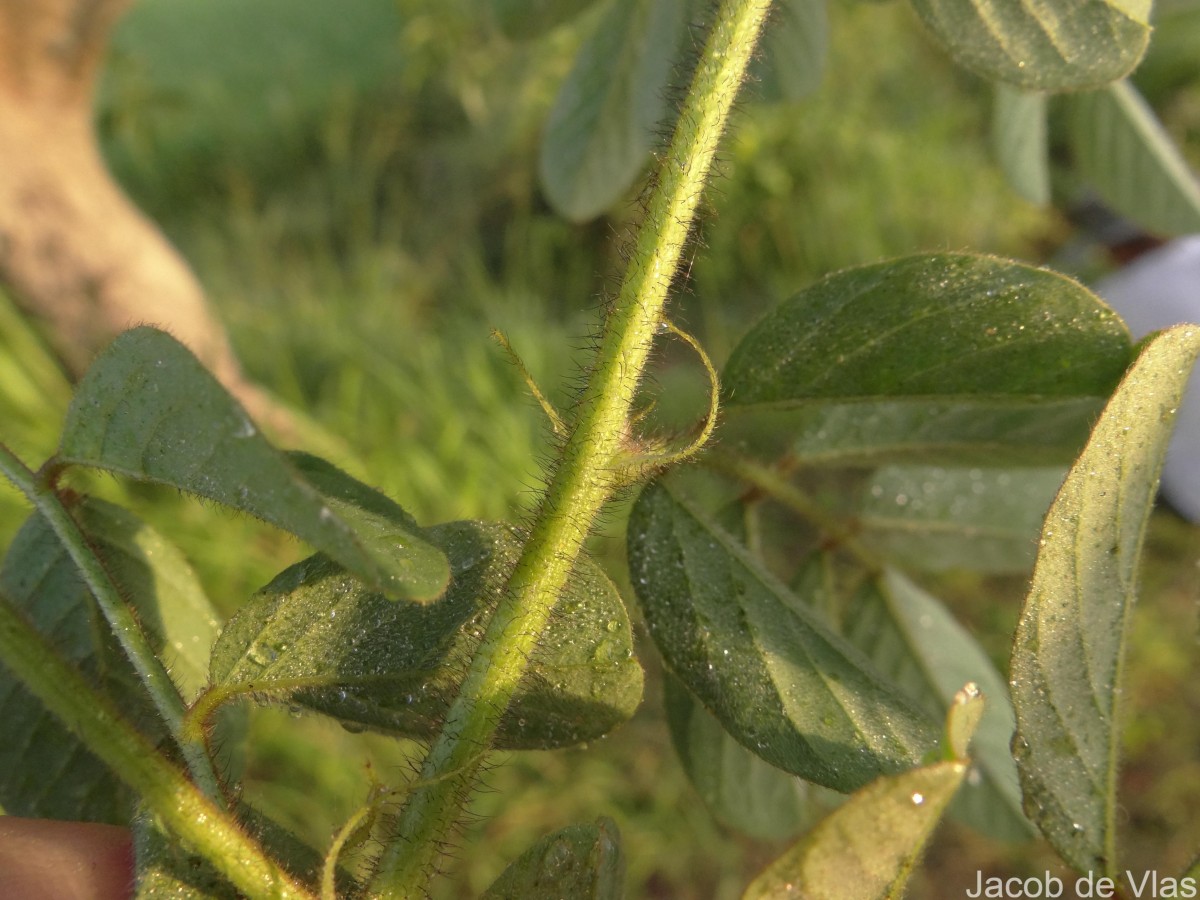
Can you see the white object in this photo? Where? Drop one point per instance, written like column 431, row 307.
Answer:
column 1159, row 289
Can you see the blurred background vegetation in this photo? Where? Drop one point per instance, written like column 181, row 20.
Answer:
column 355, row 184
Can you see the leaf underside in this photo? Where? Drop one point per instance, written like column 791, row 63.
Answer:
column 45, row 771
column 525, row 19
column 1055, row 45
column 1070, row 639
column 579, row 861
column 918, row 644
column 794, row 49
column 937, row 518
column 1123, row 150
column 739, row 788
column 1019, row 141
column 867, row 848
column 602, row 126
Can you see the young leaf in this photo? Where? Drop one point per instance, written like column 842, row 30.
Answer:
column 602, row 126
column 962, row 719
column 778, row 679
column 1019, row 141
column 1127, row 155
column 937, row 518
column 45, row 771
column 149, row 410
column 917, row 643
column 1057, row 45
column 867, row 848
column 1070, row 639
column 579, row 861
column 321, row 639
column 738, row 787
column 943, row 357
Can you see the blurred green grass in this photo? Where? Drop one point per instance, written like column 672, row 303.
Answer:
column 354, row 185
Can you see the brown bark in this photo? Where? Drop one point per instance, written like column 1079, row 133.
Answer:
column 75, row 253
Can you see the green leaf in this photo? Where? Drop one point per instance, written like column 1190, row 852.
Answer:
column 579, row 861
column 1193, row 870
column 149, row 410
column 937, row 518
column 165, row 868
column 794, row 49
column 867, row 848
column 1056, row 45
column 321, row 639
column 602, row 126
column 920, row 647
column 1127, row 155
column 1070, row 639
column 739, row 788
column 774, row 674
column 522, row 20
column 937, row 358
column 45, row 771
column 1019, row 141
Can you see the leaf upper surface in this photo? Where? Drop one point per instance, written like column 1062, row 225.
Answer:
column 149, row 410
column 950, row 357
column 1070, row 638
column 319, row 637
column 775, row 675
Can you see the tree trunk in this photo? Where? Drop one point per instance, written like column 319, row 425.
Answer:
column 74, row 251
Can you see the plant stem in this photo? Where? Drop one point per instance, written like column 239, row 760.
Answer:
column 586, row 473
column 190, row 815
column 163, row 693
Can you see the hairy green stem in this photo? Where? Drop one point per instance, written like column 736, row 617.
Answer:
column 587, row 469
column 183, row 809
column 163, row 693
